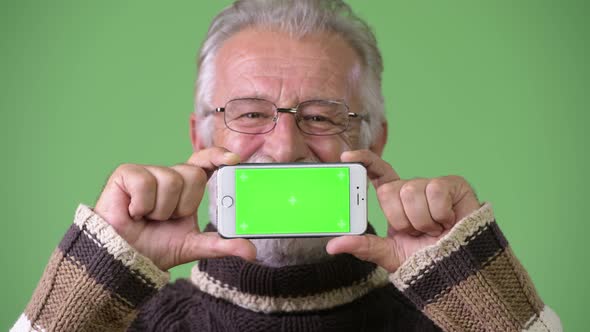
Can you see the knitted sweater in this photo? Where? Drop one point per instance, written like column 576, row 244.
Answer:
column 468, row 281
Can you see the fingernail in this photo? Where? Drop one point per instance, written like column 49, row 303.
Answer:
column 329, row 249
column 231, row 156
column 345, row 154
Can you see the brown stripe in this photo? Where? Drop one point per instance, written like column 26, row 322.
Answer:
column 67, row 274
column 113, row 314
column 458, row 266
column 471, row 306
column 104, row 268
column 92, row 308
column 44, row 287
column 508, row 279
column 83, row 307
column 527, row 284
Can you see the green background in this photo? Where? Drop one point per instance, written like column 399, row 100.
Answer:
column 321, row 198
column 496, row 91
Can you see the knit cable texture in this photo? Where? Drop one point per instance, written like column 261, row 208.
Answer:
column 470, row 280
column 94, row 281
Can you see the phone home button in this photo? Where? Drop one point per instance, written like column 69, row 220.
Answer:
column 227, row 201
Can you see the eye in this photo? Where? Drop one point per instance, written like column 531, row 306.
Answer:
column 253, row 115
column 315, row 118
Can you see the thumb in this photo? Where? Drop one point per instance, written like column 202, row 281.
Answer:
column 368, row 247
column 211, row 245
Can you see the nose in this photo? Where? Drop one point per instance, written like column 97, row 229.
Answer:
column 286, row 143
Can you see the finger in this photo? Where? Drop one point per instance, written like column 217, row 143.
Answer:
column 391, row 204
column 440, row 202
column 413, row 197
column 464, row 199
column 211, row 245
column 195, row 181
column 366, row 247
column 140, row 185
column 210, row 159
column 169, row 187
column 378, row 170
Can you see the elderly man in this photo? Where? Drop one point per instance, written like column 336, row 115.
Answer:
column 444, row 264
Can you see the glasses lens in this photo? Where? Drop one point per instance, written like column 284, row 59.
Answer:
column 323, row 117
column 250, row 116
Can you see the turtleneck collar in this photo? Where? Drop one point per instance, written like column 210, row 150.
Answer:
column 317, row 286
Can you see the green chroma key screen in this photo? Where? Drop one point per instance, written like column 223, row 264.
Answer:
column 292, row 200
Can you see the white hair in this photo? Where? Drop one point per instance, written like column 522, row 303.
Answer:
column 298, row 18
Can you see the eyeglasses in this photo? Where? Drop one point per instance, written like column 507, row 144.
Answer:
column 313, row 117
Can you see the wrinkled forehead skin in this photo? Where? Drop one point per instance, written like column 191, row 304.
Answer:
column 285, row 70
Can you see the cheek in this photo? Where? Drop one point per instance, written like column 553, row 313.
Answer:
column 329, row 148
column 244, row 145
column 352, row 135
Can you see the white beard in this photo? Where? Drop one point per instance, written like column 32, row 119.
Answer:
column 281, row 251
column 291, row 251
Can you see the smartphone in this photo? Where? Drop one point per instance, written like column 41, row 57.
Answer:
column 291, row 200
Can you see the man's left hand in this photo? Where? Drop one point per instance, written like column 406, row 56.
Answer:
column 419, row 212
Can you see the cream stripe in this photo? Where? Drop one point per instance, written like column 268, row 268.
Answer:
column 546, row 321
column 24, row 324
column 268, row 304
column 118, row 247
column 451, row 242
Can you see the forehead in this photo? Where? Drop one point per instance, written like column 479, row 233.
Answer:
column 273, row 65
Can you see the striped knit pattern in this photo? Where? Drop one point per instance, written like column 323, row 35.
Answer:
column 94, row 281
column 327, row 299
column 468, row 281
column 471, row 281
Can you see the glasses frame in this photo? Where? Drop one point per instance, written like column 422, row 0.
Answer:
column 291, row 110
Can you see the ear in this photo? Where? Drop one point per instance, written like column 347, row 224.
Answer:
column 379, row 142
column 196, row 140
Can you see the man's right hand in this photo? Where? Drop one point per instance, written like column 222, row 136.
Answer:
column 155, row 210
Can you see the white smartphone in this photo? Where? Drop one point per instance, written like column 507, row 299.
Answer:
column 291, row 200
